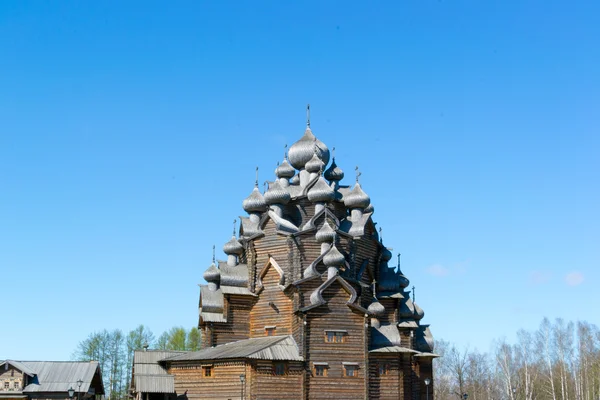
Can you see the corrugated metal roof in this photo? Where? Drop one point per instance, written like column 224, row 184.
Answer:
column 20, row 366
column 264, row 348
column 154, row 383
column 59, row 376
column 153, row 356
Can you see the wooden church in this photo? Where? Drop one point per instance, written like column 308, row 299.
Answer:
column 306, row 305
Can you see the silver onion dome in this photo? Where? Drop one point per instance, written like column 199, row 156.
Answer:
column 406, row 309
column 233, row 247
column 334, row 173
column 321, row 192
column 419, row 313
column 212, row 274
column 285, row 170
column 277, row 194
column 386, row 255
column 376, row 308
column 369, row 209
column 303, row 150
column 314, row 164
column 357, row 198
column 334, row 258
column 402, row 279
column 295, row 180
column 255, row 202
column 326, row 234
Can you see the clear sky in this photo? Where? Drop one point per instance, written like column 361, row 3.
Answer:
column 129, row 134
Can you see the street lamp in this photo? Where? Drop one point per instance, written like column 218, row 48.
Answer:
column 242, row 381
column 465, row 396
column 79, row 383
column 514, row 390
column 71, row 392
column 427, row 382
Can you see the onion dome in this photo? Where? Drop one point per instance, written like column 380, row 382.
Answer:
column 303, row 150
column 285, row 170
column 315, row 164
column 326, row 234
column 321, row 192
column 233, row 247
column 212, row 274
column 402, row 280
column 419, row 313
column 406, row 309
column 369, row 209
column 386, row 255
column 334, row 173
column 376, row 308
column 255, row 202
column 295, row 180
column 277, row 194
column 334, row 258
column 357, row 198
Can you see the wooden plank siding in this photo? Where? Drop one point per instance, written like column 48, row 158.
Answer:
column 338, row 316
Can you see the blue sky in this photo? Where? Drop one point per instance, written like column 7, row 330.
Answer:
column 129, row 134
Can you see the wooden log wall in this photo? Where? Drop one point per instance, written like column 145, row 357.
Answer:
column 388, row 386
column 391, row 306
column 273, row 307
column 268, row 386
column 237, row 326
column 336, row 315
column 224, row 384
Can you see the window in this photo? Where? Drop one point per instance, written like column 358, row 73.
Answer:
column 279, row 368
column 270, row 330
column 207, row 371
column 6, row 384
column 335, row 336
column 350, row 370
column 384, row 369
column 16, row 385
column 321, row 370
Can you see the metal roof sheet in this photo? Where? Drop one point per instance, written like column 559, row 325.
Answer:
column 153, row 356
column 59, row 376
column 264, row 348
column 394, row 349
column 154, row 383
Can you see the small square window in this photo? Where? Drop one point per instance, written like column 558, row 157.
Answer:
column 6, row 385
column 270, row 330
column 351, row 370
column 384, row 369
column 320, row 370
column 207, row 372
column 279, row 368
column 335, row 337
column 16, row 385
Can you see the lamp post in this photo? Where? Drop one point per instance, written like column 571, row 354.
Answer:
column 427, row 382
column 514, row 392
column 79, row 383
column 242, row 382
column 465, row 396
column 71, row 392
